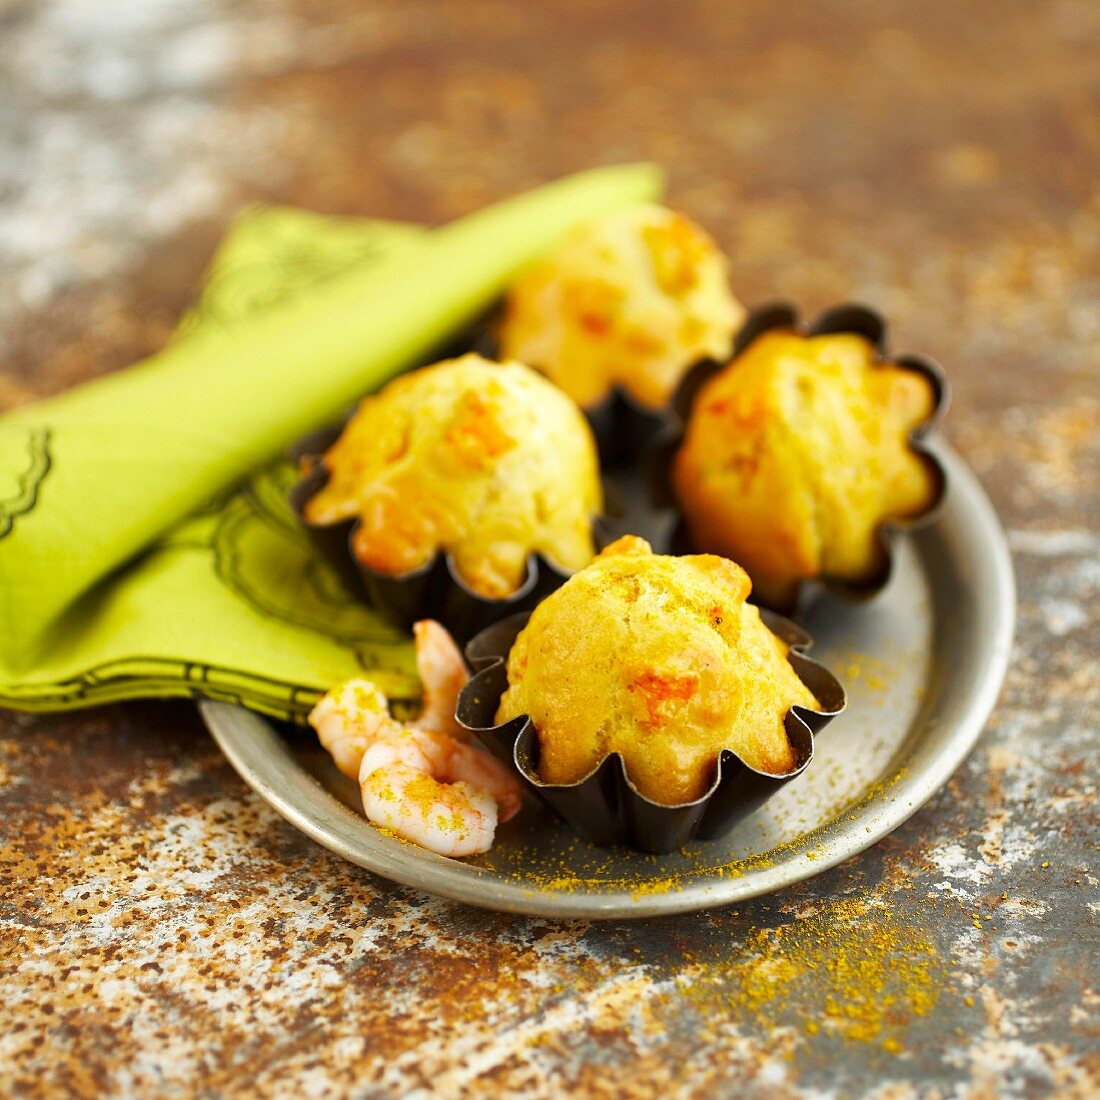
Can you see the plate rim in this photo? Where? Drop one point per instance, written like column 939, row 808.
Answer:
column 259, row 755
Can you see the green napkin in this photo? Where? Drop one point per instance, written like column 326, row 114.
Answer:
column 301, row 315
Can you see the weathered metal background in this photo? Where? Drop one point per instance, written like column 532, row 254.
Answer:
column 163, row 932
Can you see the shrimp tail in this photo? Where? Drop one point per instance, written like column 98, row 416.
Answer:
column 443, row 674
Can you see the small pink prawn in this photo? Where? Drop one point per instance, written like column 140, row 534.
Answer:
column 348, row 719
column 443, row 675
column 351, row 715
column 436, row 791
column 421, row 779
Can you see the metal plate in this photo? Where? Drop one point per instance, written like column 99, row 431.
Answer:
column 923, row 663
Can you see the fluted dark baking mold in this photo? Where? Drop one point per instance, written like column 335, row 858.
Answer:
column 434, row 591
column 853, row 318
column 604, row 806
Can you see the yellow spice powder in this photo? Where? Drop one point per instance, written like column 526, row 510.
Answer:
column 852, row 968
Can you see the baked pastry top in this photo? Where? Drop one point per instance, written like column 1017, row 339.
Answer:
column 796, row 452
column 487, row 461
column 634, row 298
column 659, row 659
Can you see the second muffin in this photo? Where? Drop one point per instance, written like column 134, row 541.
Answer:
column 486, row 461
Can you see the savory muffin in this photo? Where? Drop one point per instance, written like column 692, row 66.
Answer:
column 659, row 659
column 486, row 461
column 796, row 452
column 634, row 298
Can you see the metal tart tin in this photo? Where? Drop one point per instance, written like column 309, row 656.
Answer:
column 624, row 429
column 946, row 623
column 604, row 806
column 434, row 591
column 849, row 318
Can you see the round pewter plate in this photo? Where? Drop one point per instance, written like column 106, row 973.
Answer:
column 922, row 662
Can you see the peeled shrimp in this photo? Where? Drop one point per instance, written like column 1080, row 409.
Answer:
column 442, row 674
column 421, row 778
column 349, row 716
column 347, row 719
column 436, row 791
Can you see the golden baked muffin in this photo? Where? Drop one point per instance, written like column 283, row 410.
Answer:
column 487, row 461
column 635, row 298
column 796, row 452
column 659, row 659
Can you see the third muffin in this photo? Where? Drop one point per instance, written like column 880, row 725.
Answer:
column 797, row 451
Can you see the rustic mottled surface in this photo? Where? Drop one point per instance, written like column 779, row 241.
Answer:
column 163, row 932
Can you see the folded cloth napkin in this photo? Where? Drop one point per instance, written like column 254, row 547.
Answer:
column 131, row 566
